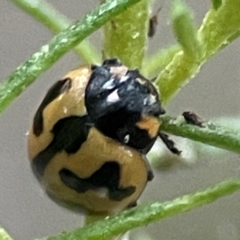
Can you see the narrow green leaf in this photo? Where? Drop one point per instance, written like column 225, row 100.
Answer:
column 158, row 61
column 150, row 213
column 39, row 62
column 45, row 13
column 218, row 29
column 184, row 29
column 212, row 134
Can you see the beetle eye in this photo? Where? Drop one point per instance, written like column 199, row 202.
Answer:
column 126, row 138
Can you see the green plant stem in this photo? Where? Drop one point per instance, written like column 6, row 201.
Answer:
column 144, row 215
column 4, row 235
column 45, row 13
column 39, row 62
column 158, row 61
column 125, row 36
column 90, row 218
column 216, row 32
column 215, row 135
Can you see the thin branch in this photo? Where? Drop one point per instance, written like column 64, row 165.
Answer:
column 46, row 14
column 215, row 135
column 158, row 61
column 39, row 62
column 144, row 215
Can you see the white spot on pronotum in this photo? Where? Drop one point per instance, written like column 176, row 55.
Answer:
column 119, row 71
column 126, row 138
column 109, row 84
column 113, row 97
column 123, row 79
column 145, row 101
column 152, row 99
column 27, row 133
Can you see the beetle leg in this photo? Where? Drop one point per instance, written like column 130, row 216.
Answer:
column 169, row 143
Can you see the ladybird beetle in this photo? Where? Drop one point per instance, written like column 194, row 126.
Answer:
column 90, row 134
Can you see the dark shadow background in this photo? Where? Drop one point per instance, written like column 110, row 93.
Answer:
column 26, row 212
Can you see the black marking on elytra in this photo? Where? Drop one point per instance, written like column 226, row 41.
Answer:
column 107, row 176
column 150, row 175
column 169, row 143
column 69, row 134
column 57, row 89
column 67, row 204
column 124, row 130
